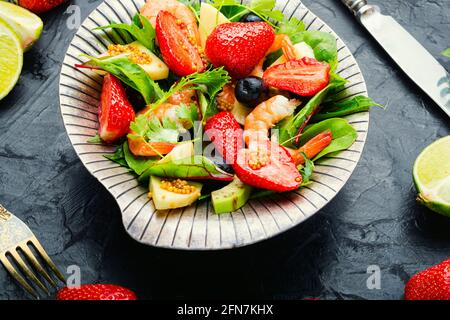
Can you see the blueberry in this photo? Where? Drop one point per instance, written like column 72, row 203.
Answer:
column 250, row 89
column 251, row 17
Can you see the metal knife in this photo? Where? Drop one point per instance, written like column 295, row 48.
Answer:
column 406, row 51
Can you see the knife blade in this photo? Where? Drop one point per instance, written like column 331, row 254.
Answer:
column 406, row 51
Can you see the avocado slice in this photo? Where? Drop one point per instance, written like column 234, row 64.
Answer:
column 231, row 197
column 164, row 199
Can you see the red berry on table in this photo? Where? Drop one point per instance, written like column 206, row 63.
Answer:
column 226, row 134
column 40, row 6
column 116, row 112
column 180, row 51
column 304, row 77
column 239, row 46
column 430, row 284
column 96, row 292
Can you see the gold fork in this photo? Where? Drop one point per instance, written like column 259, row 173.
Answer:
column 18, row 241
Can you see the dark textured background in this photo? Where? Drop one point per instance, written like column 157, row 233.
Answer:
column 373, row 220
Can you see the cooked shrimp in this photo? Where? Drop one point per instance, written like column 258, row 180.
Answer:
column 265, row 116
column 167, row 110
column 282, row 42
column 312, row 148
column 151, row 9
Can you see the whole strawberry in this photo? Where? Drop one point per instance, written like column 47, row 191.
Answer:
column 430, row 284
column 96, row 292
column 40, row 6
column 239, row 46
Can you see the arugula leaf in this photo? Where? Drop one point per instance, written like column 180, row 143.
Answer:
column 446, row 52
column 129, row 73
column 323, row 43
column 141, row 30
column 344, row 135
column 289, row 127
column 196, row 167
column 293, row 28
column 118, row 157
column 137, row 164
column 344, row 108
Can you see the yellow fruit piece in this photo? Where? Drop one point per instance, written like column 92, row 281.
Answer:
column 431, row 175
column 11, row 59
column 210, row 18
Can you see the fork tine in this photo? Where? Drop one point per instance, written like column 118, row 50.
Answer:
column 18, row 259
column 30, row 256
column 4, row 260
column 35, row 242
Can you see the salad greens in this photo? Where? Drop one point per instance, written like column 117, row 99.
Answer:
column 314, row 116
column 137, row 164
column 289, row 128
column 129, row 73
column 195, row 167
column 140, row 29
column 344, row 135
column 344, row 108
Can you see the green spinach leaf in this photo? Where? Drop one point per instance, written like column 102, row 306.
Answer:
column 344, row 108
column 129, row 73
column 323, row 43
column 289, row 127
column 137, row 164
column 344, row 135
column 140, row 29
column 118, row 157
column 196, row 167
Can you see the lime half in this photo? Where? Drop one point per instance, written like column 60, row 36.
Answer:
column 11, row 59
column 26, row 24
column 432, row 176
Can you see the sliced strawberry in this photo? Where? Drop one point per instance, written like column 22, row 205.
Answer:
column 179, row 52
column 96, row 292
column 278, row 173
column 116, row 112
column 305, row 77
column 430, row 284
column 226, row 134
column 239, row 46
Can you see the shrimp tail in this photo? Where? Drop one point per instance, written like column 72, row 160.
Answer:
column 312, row 148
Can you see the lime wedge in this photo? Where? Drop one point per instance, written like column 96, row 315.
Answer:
column 432, row 176
column 26, row 24
column 11, row 59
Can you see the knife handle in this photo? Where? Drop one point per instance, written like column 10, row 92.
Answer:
column 355, row 6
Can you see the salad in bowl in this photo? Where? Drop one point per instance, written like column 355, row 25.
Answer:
column 220, row 100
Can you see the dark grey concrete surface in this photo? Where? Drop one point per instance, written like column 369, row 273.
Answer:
column 373, row 221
